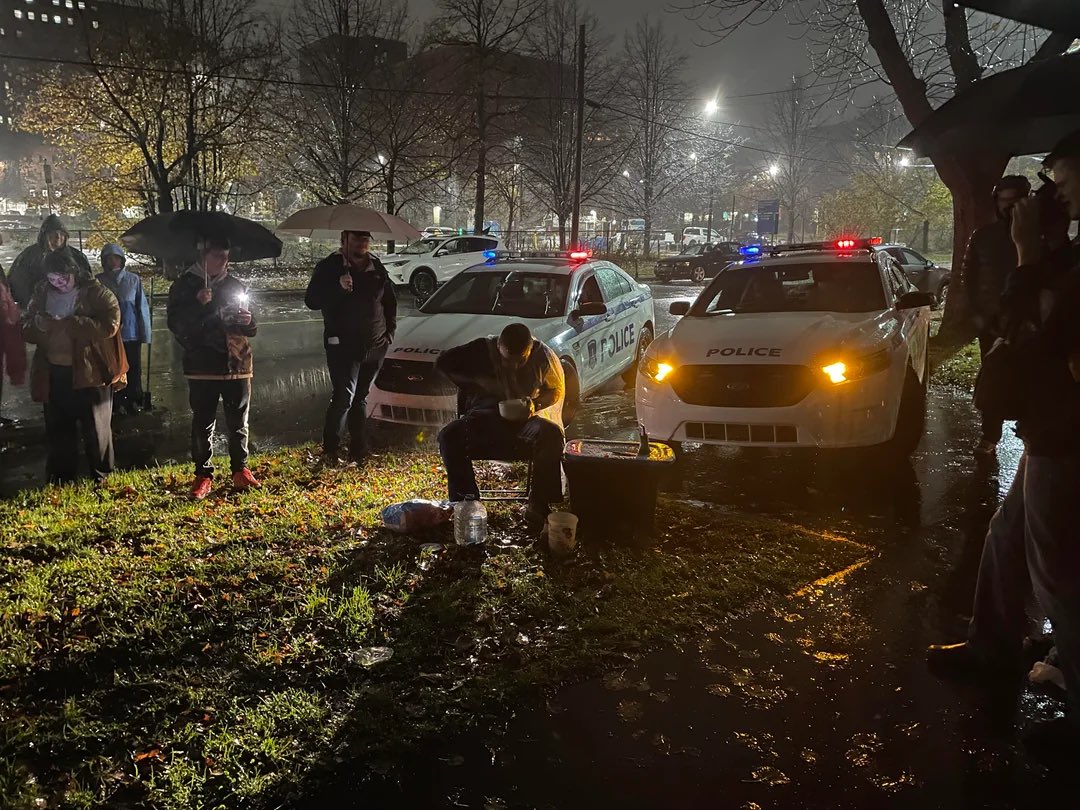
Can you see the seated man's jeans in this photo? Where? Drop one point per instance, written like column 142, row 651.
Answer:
column 483, row 434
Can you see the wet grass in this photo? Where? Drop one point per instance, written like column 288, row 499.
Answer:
column 160, row 653
column 957, row 367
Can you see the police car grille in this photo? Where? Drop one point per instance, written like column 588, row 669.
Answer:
column 743, row 386
column 413, row 377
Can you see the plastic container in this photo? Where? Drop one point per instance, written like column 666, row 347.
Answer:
column 613, row 485
column 562, row 532
column 470, row 522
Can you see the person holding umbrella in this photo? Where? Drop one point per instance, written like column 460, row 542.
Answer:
column 209, row 316
column 356, row 297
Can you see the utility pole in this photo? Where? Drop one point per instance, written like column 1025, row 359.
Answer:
column 575, row 217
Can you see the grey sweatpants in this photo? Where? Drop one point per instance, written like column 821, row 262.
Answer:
column 1034, row 537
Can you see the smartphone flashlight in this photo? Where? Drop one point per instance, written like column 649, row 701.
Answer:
column 242, row 299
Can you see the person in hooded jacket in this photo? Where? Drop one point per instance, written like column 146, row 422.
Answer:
column 75, row 322
column 27, row 271
column 209, row 316
column 134, row 320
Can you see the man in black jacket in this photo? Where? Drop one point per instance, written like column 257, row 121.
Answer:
column 356, row 297
column 1036, row 529
column 209, row 316
column 490, row 370
column 988, row 260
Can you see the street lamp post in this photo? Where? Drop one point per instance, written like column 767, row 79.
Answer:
column 711, row 106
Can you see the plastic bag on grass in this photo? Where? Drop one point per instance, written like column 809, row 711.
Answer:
column 416, row 515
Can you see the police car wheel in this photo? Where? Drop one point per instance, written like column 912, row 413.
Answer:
column 573, row 392
column 911, row 417
column 697, row 275
column 423, row 283
column 942, row 297
column 630, row 375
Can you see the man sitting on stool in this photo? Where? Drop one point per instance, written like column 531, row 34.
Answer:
column 512, row 390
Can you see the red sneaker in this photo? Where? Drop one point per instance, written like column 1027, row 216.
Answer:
column 245, row 480
column 201, row 488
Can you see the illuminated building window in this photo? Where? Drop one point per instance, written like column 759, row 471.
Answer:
column 56, row 19
column 70, row 21
column 18, row 14
column 30, row 15
column 94, row 23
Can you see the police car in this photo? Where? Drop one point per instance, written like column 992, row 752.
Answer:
column 595, row 317
column 816, row 345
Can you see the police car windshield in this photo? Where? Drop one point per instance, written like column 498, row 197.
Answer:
column 513, row 293
column 803, row 287
column 421, row 246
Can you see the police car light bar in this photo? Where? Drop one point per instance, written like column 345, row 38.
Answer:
column 846, row 244
column 580, row 255
column 750, row 250
column 491, row 254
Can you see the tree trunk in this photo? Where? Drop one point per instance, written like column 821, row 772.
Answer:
column 562, row 231
column 971, row 181
column 391, row 204
column 481, row 160
column 164, row 198
column 647, row 236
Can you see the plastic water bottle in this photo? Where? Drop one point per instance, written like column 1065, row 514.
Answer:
column 470, row 522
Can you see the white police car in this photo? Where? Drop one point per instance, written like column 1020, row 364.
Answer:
column 596, row 318
column 428, row 262
column 818, row 345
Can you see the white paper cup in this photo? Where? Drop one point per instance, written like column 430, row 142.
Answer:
column 562, row 532
column 513, row 410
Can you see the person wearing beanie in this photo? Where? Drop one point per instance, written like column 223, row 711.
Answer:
column 134, row 321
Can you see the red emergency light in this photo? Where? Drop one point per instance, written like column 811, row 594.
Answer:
column 580, row 255
column 845, row 244
column 876, row 240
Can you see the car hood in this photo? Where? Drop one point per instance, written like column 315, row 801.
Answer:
column 682, row 257
column 776, row 337
column 425, row 337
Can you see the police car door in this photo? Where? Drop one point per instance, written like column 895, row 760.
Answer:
column 590, row 331
column 621, row 338
column 914, row 323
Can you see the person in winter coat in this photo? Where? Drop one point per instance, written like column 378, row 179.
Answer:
column 75, row 324
column 27, row 271
column 1032, row 538
column 356, row 297
column 12, row 345
column 988, row 260
column 489, row 371
column 209, row 316
column 134, row 320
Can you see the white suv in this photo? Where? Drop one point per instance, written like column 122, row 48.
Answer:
column 818, row 345
column 699, row 236
column 428, row 262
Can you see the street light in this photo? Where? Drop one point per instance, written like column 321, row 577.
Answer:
column 626, row 173
column 381, row 159
column 774, row 170
column 711, row 107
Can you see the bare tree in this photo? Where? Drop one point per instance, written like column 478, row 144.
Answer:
column 484, row 35
column 184, row 82
column 549, row 142
column 924, row 51
column 655, row 104
column 339, row 44
column 796, row 165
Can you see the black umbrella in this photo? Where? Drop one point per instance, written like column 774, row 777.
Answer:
column 1062, row 16
column 176, row 237
column 1022, row 111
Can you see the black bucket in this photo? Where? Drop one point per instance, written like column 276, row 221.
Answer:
column 613, row 485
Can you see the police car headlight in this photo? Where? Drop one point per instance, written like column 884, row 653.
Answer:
column 839, row 371
column 656, row 370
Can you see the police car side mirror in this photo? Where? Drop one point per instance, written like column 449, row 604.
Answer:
column 679, row 308
column 914, row 300
column 588, row 309
column 439, row 253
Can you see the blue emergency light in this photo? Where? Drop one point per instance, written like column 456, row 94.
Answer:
column 750, row 250
column 490, row 254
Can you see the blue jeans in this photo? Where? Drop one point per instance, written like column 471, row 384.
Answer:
column 1034, row 538
column 351, row 377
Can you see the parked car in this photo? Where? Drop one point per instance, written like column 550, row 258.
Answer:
column 699, row 236
column 820, row 345
column 923, row 273
column 595, row 317
column 429, row 262
column 699, row 262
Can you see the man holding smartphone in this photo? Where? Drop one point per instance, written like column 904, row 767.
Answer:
column 209, row 316
column 356, row 297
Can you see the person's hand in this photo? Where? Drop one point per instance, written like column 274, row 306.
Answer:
column 530, row 404
column 43, row 322
column 345, row 280
column 204, row 296
column 1027, row 231
column 242, row 318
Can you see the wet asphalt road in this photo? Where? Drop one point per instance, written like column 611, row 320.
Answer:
column 821, row 699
